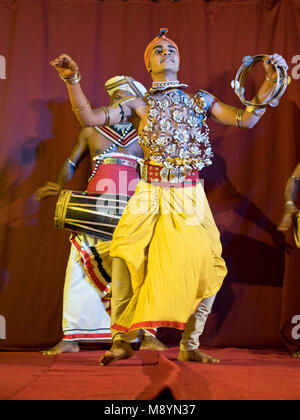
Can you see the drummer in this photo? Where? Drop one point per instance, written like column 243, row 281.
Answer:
column 114, row 153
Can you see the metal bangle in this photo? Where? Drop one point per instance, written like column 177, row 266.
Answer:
column 72, row 80
column 107, row 117
column 290, row 205
column 71, row 163
column 238, row 117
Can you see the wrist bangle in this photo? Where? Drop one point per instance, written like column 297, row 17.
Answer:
column 73, row 79
column 71, row 163
column 238, row 117
column 107, row 117
column 269, row 78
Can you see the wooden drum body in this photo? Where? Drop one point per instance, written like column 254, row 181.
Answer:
column 94, row 214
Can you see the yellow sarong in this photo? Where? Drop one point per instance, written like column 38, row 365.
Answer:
column 171, row 245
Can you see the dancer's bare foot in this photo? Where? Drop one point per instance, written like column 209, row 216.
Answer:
column 152, row 343
column 296, row 354
column 119, row 350
column 196, row 356
column 62, row 347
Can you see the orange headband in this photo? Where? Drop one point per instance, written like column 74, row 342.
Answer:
column 152, row 44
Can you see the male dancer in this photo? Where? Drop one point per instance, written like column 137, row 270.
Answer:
column 291, row 301
column 166, row 247
column 85, row 305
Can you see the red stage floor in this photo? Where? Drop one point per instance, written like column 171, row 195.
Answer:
column 242, row 375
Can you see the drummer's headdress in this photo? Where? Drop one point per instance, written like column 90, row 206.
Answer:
column 125, row 83
column 155, row 41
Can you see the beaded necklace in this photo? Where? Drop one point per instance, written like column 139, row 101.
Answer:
column 160, row 86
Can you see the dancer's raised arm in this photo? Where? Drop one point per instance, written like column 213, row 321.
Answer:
column 86, row 115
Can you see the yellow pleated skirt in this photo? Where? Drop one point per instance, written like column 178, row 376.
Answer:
column 172, row 248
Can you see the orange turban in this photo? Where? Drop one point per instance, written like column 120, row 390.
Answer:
column 152, row 44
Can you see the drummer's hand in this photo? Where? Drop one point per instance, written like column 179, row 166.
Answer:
column 65, row 66
column 273, row 61
column 49, row 189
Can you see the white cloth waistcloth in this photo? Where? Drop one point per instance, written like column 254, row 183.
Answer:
column 84, row 315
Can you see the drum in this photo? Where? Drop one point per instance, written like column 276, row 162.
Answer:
column 297, row 228
column 94, row 214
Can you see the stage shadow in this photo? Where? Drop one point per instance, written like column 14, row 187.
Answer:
column 28, row 239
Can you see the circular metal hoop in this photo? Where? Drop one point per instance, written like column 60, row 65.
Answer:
column 282, row 80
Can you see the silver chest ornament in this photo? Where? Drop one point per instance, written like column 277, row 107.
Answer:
column 177, row 134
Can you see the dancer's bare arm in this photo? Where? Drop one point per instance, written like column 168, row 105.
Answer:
column 290, row 194
column 67, row 170
column 86, row 115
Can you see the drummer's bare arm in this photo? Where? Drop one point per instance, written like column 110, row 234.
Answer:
column 78, row 153
column 243, row 118
column 290, row 194
column 67, row 170
column 86, row 115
